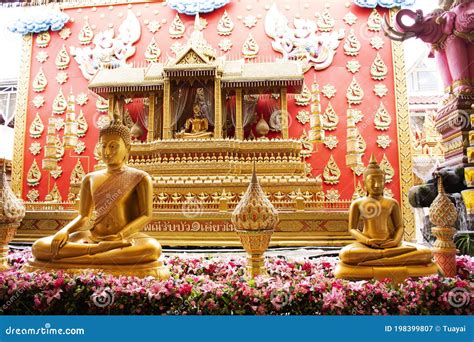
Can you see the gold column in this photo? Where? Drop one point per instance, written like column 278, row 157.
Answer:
column 217, row 108
column 151, row 118
column 239, row 129
column 112, row 100
column 167, row 109
column 284, row 114
column 158, row 118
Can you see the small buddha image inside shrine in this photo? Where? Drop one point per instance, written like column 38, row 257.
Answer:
column 270, row 145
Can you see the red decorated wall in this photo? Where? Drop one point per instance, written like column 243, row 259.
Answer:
column 105, row 17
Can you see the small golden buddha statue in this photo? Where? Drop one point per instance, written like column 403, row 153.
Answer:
column 115, row 204
column 379, row 251
column 195, row 127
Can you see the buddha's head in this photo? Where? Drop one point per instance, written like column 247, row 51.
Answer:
column 374, row 178
column 197, row 110
column 115, row 142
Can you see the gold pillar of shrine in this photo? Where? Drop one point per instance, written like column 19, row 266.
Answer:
column 239, row 129
column 151, row 118
column 284, row 114
column 167, row 129
column 112, row 101
column 217, row 107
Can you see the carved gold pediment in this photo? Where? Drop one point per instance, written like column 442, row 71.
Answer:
column 191, row 57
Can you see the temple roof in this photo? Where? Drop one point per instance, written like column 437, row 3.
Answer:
column 235, row 74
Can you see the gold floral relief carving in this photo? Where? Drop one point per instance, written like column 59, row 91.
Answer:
column 59, row 103
column 39, row 82
column 152, row 52
column 62, row 59
column 354, row 93
column 34, row 174
column 331, row 173
column 177, row 27
column 374, row 22
column 225, row 25
column 77, row 173
column 35, row 148
column 352, row 45
column 303, row 98
column 387, row 168
column 86, row 34
column 36, row 127
column 329, row 119
column 54, row 195
column 43, row 39
column 378, row 70
column 250, row 48
column 382, row 119
column 324, row 21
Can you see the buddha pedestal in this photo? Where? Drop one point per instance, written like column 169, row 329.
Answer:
column 379, row 251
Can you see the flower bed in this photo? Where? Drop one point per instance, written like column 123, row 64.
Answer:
column 216, row 286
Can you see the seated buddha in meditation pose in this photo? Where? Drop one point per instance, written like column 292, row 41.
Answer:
column 115, row 205
column 195, row 127
column 379, row 250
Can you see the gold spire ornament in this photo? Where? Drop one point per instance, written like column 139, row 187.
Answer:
column 374, row 22
column 77, row 173
column 59, row 148
column 153, row 52
column 329, row 119
column 382, row 119
column 255, row 218
column 43, row 39
column 36, row 127
column 352, row 45
column 82, row 125
column 54, row 195
column 70, row 129
column 50, row 161
column 250, row 48
column 303, row 98
column 331, row 173
column 62, row 59
column 353, row 156
column 225, row 25
column 316, row 134
column 386, row 167
column 325, row 22
column 34, row 174
column 86, row 34
column 354, row 93
column 443, row 215
column 12, row 212
column 378, row 70
column 39, row 82
column 59, row 103
column 177, row 28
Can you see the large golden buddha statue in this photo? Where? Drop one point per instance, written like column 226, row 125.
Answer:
column 195, row 127
column 379, row 251
column 115, row 204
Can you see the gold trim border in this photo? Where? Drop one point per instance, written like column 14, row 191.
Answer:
column 405, row 158
column 20, row 116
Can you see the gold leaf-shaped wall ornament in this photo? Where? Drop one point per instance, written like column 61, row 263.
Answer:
column 39, row 82
column 97, row 152
column 374, row 22
column 358, row 191
column 153, row 52
column 378, row 70
column 329, row 119
column 382, row 119
column 308, row 146
column 177, row 27
column 43, row 39
column 62, row 59
column 354, row 93
column 303, row 98
column 331, row 173
column 82, row 125
column 225, row 25
column 77, row 173
column 59, row 148
column 361, row 146
column 34, row 174
column 59, row 103
column 36, row 127
column 325, row 21
column 250, row 48
column 54, row 195
column 86, row 34
column 352, row 45
column 386, row 167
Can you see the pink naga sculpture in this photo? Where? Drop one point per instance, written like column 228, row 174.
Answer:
column 450, row 32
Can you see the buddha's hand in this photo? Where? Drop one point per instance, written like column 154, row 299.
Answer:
column 389, row 244
column 59, row 240
column 376, row 243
